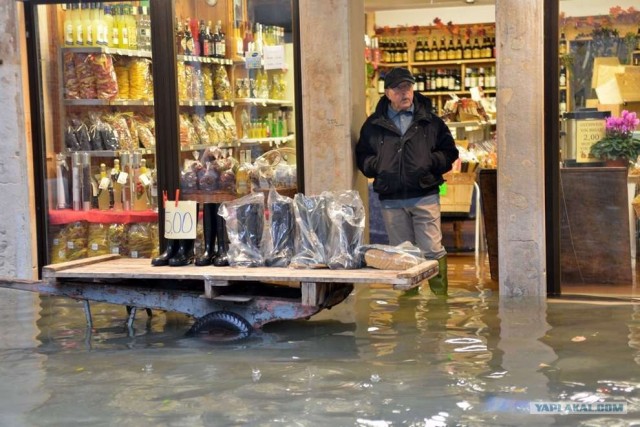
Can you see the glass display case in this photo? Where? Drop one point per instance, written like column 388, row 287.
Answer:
column 136, row 99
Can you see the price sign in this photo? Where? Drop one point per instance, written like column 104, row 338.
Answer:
column 253, row 60
column 180, row 219
column 274, row 57
column 588, row 132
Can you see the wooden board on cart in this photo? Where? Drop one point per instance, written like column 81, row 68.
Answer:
column 116, row 267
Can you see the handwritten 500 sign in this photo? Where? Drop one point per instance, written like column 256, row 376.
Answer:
column 180, row 219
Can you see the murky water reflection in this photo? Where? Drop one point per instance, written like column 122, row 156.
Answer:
column 377, row 359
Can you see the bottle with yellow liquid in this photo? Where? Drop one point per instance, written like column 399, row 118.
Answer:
column 115, row 26
column 107, row 26
column 104, row 187
column 117, row 186
column 67, row 25
column 87, row 24
column 123, row 28
column 78, row 33
column 132, row 13
column 140, row 183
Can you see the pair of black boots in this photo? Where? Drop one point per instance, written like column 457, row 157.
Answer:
column 180, row 252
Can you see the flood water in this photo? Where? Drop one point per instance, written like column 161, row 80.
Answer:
column 377, row 359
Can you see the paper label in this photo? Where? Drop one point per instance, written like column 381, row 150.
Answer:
column 180, row 220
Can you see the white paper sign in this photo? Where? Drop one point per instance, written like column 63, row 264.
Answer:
column 180, row 221
column 274, row 57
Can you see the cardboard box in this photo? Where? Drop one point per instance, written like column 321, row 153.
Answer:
column 618, row 88
column 459, row 192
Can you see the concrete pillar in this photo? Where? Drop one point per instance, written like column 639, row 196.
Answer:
column 521, row 180
column 17, row 223
column 333, row 86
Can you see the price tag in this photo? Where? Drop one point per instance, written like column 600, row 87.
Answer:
column 104, row 183
column 122, row 178
column 180, row 219
column 274, row 57
column 253, row 60
column 145, row 180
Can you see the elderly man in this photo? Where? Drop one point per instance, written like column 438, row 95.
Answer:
column 406, row 148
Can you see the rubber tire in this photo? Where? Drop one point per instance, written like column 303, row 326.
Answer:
column 221, row 326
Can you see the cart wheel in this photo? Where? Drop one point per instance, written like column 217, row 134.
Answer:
column 221, row 326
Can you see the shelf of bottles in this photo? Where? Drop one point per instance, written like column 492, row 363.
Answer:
column 442, row 62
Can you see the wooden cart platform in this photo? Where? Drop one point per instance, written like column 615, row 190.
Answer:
column 256, row 295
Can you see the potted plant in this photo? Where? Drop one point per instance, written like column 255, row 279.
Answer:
column 618, row 147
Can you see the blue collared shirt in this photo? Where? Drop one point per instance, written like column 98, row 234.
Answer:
column 402, row 119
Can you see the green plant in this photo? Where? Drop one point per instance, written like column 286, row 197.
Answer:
column 618, row 141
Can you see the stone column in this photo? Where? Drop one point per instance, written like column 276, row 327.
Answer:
column 521, row 181
column 17, row 220
column 333, row 86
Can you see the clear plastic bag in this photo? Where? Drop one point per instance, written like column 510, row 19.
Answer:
column 347, row 214
column 245, row 226
column 279, row 240
column 314, row 228
column 386, row 257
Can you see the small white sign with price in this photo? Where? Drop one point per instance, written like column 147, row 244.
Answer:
column 180, row 219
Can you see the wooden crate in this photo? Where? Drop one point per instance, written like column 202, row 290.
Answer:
column 459, row 192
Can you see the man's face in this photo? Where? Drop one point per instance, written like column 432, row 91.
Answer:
column 401, row 96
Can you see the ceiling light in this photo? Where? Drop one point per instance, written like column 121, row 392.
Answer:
column 470, row 1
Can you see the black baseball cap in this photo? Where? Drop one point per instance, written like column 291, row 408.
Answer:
column 397, row 76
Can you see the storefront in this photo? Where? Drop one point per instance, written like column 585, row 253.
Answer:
column 332, row 103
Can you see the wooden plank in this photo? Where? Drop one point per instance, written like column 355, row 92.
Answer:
column 51, row 270
column 140, row 268
column 210, row 284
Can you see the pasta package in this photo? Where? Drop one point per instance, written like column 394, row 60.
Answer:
column 139, row 241
column 105, row 75
column 117, row 239
column 98, row 240
column 76, row 238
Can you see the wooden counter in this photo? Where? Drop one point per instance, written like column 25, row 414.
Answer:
column 595, row 243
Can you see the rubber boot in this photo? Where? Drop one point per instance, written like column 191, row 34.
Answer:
column 185, row 254
column 209, row 221
column 439, row 284
column 170, row 251
column 221, row 259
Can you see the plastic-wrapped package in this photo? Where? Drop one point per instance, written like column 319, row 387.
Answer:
column 140, row 80
column 314, row 228
column 188, row 78
column 122, row 77
column 183, row 89
column 95, row 137
column 121, row 130
column 188, row 135
column 139, row 241
column 144, row 129
column 189, row 175
column 197, row 89
column 81, row 131
column 154, row 234
column 76, row 237
column 210, row 179
column 117, row 239
column 98, row 240
column 221, row 85
column 200, row 127
column 244, row 219
column 207, row 82
column 59, row 246
column 105, row 74
column 280, row 237
column 386, row 257
column 85, row 76
column 108, row 136
column 69, row 77
column 70, row 138
column 347, row 214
